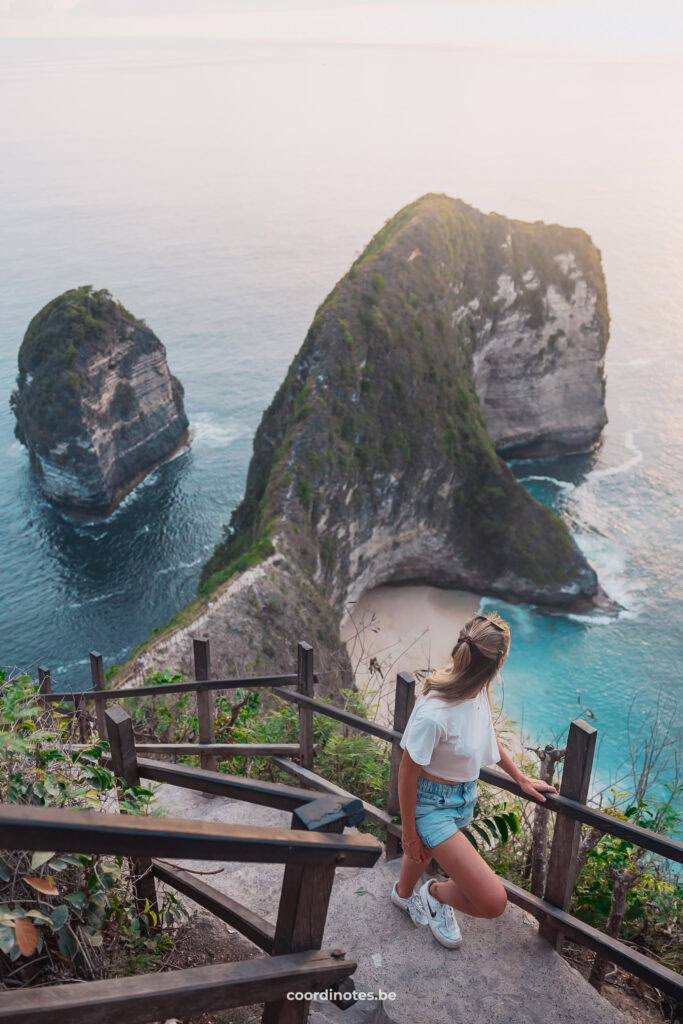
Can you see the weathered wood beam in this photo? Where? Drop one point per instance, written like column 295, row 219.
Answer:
column 184, row 994
column 354, row 721
column 236, row 787
column 64, row 830
column 251, row 925
column 663, row 845
column 189, row 685
column 584, row 934
column 404, row 701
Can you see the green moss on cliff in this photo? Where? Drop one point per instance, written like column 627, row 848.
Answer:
column 52, row 360
column 382, row 386
column 261, row 549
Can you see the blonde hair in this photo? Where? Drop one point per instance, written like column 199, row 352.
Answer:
column 482, row 642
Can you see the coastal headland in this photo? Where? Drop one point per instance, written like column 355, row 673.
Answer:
column 454, row 336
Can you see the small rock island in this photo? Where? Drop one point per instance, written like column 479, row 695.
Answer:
column 95, row 403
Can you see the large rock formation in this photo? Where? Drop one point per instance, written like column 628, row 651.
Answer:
column 540, row 323
column 95, row 403
column 376, row 463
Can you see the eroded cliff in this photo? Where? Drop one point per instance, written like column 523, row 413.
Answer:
column 95, row 402
column 453, row 333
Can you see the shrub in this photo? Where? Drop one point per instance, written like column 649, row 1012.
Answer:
column 70, row 915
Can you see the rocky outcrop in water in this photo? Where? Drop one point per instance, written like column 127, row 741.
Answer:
column 95, row 402
column 454, row 333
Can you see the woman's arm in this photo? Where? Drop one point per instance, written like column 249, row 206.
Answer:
column 508, row 765
column 526, row 782
column 408, row 772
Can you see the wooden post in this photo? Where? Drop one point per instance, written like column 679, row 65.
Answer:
column 305, row 685
column 576, row 775
column 305, row 896
column 403, row 706
column 206, row 706
column 98, row 683
column 44, row 685
column 125, row 766
column 81, row 717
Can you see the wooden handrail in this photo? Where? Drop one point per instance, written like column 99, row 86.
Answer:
column 224, row 750
column 247, row 922
column 317, row 853
column 355, row 721
column 188, row 686
column 63, row 830
column 194, row 991
column 235, row 787
column 584, row 934
column 652, row 841
column 648, row 840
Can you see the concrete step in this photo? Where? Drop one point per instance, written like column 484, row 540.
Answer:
column 503, row 973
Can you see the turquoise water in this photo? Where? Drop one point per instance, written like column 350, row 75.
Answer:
column 220, row 191
column 618, row 675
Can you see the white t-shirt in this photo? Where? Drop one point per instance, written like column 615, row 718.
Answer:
column 451, row 740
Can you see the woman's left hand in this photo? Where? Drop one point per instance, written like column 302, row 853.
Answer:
column 535, row 787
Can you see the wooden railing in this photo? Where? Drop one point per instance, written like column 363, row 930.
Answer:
column 569, row 805
column 310, row 851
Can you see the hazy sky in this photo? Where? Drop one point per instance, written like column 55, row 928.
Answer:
column 614, row 27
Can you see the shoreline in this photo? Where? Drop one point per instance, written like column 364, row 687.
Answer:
column 412, row 629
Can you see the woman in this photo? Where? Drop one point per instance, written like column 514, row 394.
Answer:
column 447, row 739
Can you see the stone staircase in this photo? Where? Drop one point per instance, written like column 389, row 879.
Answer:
column 502, row 974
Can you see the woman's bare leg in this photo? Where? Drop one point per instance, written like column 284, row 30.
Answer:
column 410, row 872
column 474, row 887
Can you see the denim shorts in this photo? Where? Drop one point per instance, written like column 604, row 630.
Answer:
column 443, row 808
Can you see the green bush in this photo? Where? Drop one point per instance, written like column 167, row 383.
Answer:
column 74, row 915
column 654, row 904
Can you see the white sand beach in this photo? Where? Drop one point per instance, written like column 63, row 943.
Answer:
column 402, row 629
column 406, row 629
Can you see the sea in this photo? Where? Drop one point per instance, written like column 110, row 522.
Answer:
column 220, row 190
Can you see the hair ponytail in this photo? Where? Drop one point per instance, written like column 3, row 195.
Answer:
column 483, row 641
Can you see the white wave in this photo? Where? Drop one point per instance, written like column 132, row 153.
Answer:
column 611, row 565
column 180, row 565
column 87, row 533
column 177, row 454
column 206, row 429
column 591, row 620
column 70, row 664
column 600, row 620
column 95, row 600
column 624, row 467
column 562, row 485
column 520, row 616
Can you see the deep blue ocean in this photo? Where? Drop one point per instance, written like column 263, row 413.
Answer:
column 219, row 191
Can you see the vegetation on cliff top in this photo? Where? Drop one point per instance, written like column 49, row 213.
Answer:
column 382, row 385
column 68, row 916
column 53, row 360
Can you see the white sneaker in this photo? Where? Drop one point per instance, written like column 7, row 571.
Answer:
column 413, row 906
column 441, row 919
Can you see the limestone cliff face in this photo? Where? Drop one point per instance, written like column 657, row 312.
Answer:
column 541, row 325
column 96, row 404
column 376, row 462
